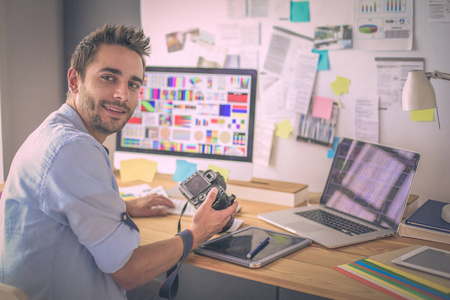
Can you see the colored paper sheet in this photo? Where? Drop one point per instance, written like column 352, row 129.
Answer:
column 340, row 85
column 392, row 281
column 224, row 172
column 184, row 170
column 137, row 169
column 331, row 152
column 324, row 63
column 284, row 129
column 422, row 115
column 300, row 11
column 322, row 107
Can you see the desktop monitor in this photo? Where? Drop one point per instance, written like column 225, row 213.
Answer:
column 200, row 115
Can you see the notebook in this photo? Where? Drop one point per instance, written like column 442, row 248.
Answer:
column 368, row 187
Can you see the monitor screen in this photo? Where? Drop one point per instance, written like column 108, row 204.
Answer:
column 200, row 113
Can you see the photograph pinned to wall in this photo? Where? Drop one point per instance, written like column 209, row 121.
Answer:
column 318, row 130
column 175, row 41
column 333, row 37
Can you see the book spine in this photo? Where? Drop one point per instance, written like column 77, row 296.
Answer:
column 427, row 226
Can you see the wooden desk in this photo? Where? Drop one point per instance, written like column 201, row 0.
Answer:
column 308, row 270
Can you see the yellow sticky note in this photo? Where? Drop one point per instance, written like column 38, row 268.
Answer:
column 137, row 169
column 284, row 129
column 224, row 172
column 422, row 115
column 340, row 85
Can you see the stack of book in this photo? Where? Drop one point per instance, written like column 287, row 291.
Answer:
column 426, row 223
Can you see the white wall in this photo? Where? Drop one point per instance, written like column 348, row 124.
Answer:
column 308, row 163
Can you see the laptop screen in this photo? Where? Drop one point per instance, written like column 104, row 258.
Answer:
column 370, row 182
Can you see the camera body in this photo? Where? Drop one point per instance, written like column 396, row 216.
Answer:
column 197, row 186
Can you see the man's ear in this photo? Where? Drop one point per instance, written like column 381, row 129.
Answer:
column 73, row 79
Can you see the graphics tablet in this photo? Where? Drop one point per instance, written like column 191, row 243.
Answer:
column 261, row 245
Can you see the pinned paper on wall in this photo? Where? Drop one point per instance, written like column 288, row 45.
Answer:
column 137, row 169
column 324, row 62
column 284, row 129
column 224, row 172
column 340, row 85
column 322, row 107
column 422, row 115
column 300, row 11
column 183, row 170
column 264, row 132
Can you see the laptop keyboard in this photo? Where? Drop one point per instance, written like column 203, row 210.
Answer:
column 328, row 219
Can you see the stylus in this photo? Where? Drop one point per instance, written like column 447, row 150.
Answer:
column 258, row 248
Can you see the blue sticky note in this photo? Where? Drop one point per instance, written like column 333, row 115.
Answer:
column 300, row 11
column 184, row 170
column 323, row 60
column 332, row 151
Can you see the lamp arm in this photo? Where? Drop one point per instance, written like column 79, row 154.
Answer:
column 438, row 75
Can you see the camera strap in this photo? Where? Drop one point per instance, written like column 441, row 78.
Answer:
column 181, row 215
column 169, row 288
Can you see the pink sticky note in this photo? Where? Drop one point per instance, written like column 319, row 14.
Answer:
column 322, row 107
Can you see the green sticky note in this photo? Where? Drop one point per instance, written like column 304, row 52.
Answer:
column 423, row 115
column 300, row 11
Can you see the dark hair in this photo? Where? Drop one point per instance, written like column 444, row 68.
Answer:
column 128, row 36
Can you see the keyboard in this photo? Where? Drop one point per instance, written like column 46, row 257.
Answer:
column 190, row 209
column 331, row 220
column 179, row 204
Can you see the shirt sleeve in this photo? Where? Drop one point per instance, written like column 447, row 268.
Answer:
column 79, row 192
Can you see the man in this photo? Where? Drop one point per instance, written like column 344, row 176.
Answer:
column 67, row 234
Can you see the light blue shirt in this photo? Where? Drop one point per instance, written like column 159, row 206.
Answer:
column 63, row 231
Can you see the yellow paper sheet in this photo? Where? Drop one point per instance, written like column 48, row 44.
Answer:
column 422, row 115
column 224, row 172
column 340, row 85
column 284, row 129
column 137, row 169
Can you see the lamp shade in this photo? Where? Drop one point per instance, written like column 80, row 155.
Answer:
column 418, row 93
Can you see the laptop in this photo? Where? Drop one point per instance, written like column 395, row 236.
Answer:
column 364, row 197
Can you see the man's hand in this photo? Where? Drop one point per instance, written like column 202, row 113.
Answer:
column 207, row 221
column 148, row 206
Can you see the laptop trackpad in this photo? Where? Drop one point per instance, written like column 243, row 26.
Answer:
column 305, row 227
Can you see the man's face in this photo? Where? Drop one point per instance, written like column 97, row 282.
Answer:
column 109, row 93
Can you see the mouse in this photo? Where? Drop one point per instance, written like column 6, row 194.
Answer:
column 445, row 215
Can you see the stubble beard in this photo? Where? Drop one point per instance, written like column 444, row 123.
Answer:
column 91, row 109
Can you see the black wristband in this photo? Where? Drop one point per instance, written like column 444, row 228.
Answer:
column 169, row 288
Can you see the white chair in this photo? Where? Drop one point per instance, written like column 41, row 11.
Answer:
column 8, row 292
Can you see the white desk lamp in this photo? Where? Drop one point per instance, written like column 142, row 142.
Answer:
column 418, row 94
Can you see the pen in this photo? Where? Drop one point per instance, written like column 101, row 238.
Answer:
column 258, row 248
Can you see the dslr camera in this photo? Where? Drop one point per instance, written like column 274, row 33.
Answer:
column 197, row 186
